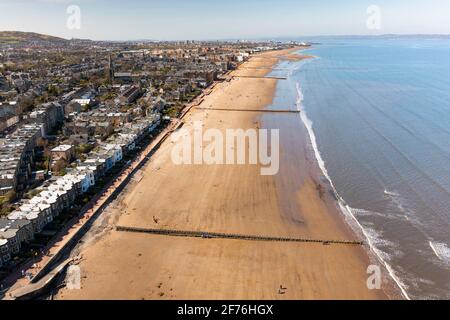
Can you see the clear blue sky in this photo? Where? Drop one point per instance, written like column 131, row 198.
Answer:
column 218, row 19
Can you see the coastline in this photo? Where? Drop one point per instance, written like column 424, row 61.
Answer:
column 392, row 285
column 229, row 199
column 336, row 205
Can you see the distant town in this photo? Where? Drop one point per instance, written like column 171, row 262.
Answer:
column 75, row 113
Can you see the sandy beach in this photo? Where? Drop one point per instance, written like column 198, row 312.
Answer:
column 228, row 199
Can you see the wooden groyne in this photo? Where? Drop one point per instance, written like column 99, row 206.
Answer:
column 263, row 68
column 264, row 58
column 250, row 110
column 261, row 77
column 214, row 235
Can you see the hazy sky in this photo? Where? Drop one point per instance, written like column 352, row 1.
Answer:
column 218, row 19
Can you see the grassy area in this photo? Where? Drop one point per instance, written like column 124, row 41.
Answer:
column 15, row 37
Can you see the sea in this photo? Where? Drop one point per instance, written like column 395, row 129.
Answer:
column 377, row 111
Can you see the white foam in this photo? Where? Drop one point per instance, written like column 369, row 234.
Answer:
column 441, row 251
column 397, row 200
column 390, row 193
column 297, row 66
column 401, row 206
column 347, row 211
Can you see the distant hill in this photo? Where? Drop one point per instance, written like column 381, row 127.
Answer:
column 19, row 37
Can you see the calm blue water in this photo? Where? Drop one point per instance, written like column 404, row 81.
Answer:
column 380, row 114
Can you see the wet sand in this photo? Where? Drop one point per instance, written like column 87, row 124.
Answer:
column 230, row 199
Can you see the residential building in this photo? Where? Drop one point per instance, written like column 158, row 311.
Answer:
column 64, row 151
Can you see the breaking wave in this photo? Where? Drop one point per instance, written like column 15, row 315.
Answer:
column 390, row 193
column 441, row 251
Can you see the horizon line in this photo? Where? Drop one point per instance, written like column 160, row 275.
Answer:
column 262, row 38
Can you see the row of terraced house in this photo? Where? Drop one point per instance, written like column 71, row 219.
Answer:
column 17, row 149
column 59, row 193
